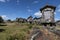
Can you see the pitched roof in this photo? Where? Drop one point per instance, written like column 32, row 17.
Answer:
column 37, row 18
column 29, row 17
column 48, row 6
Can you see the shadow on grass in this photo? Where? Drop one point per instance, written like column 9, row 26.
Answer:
column 2, row 30
column 3, row 24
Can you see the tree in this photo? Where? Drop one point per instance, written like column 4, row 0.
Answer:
column 9, row 20
column 1, row 20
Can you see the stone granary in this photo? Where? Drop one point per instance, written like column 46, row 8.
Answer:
column 37, row 20
column 47, row 18
column 58, row 22
column 21, row 20
column 48, row 14
column 30, row 19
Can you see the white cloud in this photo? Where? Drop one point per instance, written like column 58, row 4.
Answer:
column 55, row 13
column 58, row 8
column 2, row 0
column 4, row 17
column 29, row 10
column 38, row 14
column 35, row 2
column 57, row 19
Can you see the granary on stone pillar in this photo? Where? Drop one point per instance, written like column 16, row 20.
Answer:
column 48, row 13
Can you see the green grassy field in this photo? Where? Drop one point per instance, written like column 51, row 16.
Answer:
column 17, row 31
column 14, row 31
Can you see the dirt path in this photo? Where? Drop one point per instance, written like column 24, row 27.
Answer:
column 46, row 35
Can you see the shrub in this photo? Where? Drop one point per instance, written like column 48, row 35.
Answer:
column 30, row 27
column 1, row 20
column 17, row 36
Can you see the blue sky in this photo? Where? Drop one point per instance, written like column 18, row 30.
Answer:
column 11, row 9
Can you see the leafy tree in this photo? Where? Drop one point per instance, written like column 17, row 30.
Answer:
column 1, row 20
column 9, row 20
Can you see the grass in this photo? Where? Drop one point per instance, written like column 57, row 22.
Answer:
column 58, row 27
column 19, row 31
column 15, row 30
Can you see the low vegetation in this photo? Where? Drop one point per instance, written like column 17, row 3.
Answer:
column 17, row 31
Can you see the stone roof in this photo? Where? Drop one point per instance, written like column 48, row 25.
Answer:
column 29, row 17
column 58, row 21
column 37, row 18
column 48, row 6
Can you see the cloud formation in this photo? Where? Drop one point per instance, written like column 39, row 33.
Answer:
column 34, row 2
column 4, row 0
column 38, row 14
column 58, row 8
column 57, row 12
column 57, row 19
column 29, row 10
column 4, row 17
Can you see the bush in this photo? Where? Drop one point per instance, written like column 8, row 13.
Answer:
column 17, row 36
column 1, row 20
column 3, row 24
column 2, row 30
column 30, row 27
